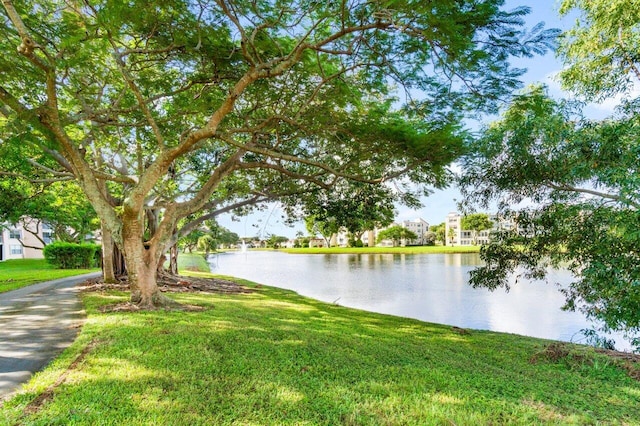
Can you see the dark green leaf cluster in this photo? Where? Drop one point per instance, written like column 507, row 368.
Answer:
column 599, row 243
column 72, row 255
column 356, row 207
column 581, row 181
column 396, row 234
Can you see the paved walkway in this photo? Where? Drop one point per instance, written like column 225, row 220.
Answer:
column 36, row 323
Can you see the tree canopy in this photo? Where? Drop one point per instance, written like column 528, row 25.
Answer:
column 440, row 232
column 355, row 207
column 183, row 109
column 578, row 179
column 476, row 222
column 396, row 234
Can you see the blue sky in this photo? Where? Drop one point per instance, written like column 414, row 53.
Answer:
column 441, row 202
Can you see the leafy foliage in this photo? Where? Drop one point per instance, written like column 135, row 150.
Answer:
column 72, row 256
column 189, row 108
column 207, row 243
column 396, row 234
column 355, row 207
column 601, row 49
column 475, row 223
column 440, row 232
column 275, row 241
column 27, row 192
column 584, row 176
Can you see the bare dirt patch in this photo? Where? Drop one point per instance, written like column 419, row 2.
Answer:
column 630, row 362
column 38, row 402
column 558, row 351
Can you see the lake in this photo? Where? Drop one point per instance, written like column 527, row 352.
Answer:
column 428, row 287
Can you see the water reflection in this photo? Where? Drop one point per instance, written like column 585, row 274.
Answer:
column 427, row 287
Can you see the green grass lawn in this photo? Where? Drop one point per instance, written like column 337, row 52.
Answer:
column 18, row 273
column 275, row 358
column 192, row 262
column 385, row 250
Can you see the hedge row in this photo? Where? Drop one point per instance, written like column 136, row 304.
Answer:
column 72, row 256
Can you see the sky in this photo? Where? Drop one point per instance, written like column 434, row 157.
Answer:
column 440, row 202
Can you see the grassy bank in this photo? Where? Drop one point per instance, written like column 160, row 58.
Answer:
column 275, row 358
column 385, row 250
column 192, row 262
column 18, row 273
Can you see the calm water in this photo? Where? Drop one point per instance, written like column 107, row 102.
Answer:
column 430, row 287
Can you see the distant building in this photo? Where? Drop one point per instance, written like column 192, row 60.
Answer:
column 456, row 236
column 369, row 238
column 24, row 240
column 419, row 227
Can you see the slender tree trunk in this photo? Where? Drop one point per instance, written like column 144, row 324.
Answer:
column 119, row 267
column 108, row 267
column 173, row 259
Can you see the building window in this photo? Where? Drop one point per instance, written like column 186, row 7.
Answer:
column 16, row 249
column 15, row 234
column 47, row 236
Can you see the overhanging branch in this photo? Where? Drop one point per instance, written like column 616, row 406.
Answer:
column 614, row 197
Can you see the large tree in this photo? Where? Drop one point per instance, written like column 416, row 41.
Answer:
column 579, row 179
column 354, row 207
column 163, row 110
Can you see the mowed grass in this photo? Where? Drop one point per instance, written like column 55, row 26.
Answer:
column 193, row 262
column 385, row 250
column 273, row 357
column 16, row 273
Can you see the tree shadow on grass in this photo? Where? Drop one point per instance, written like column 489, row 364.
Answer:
column 273, row 357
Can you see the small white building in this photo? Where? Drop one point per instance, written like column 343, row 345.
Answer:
column 419, row 227
column 24, row 240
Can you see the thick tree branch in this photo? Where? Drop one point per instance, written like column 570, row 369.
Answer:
column 281, row 156
column 28, row 45
column 191, row 226
column 613, row 197
column 138, row 95
column 283, row 170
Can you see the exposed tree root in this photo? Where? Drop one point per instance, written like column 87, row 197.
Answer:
column 167, row 284
column 173, row 284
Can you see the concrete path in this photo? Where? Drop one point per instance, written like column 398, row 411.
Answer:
column 36, row 323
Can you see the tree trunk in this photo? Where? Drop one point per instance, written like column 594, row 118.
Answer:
column 142, row 265
column 108, row 267
column 173, row 259
column 119, row 266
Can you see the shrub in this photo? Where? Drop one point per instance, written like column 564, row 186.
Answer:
column 430, row 239
column 72, row 256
